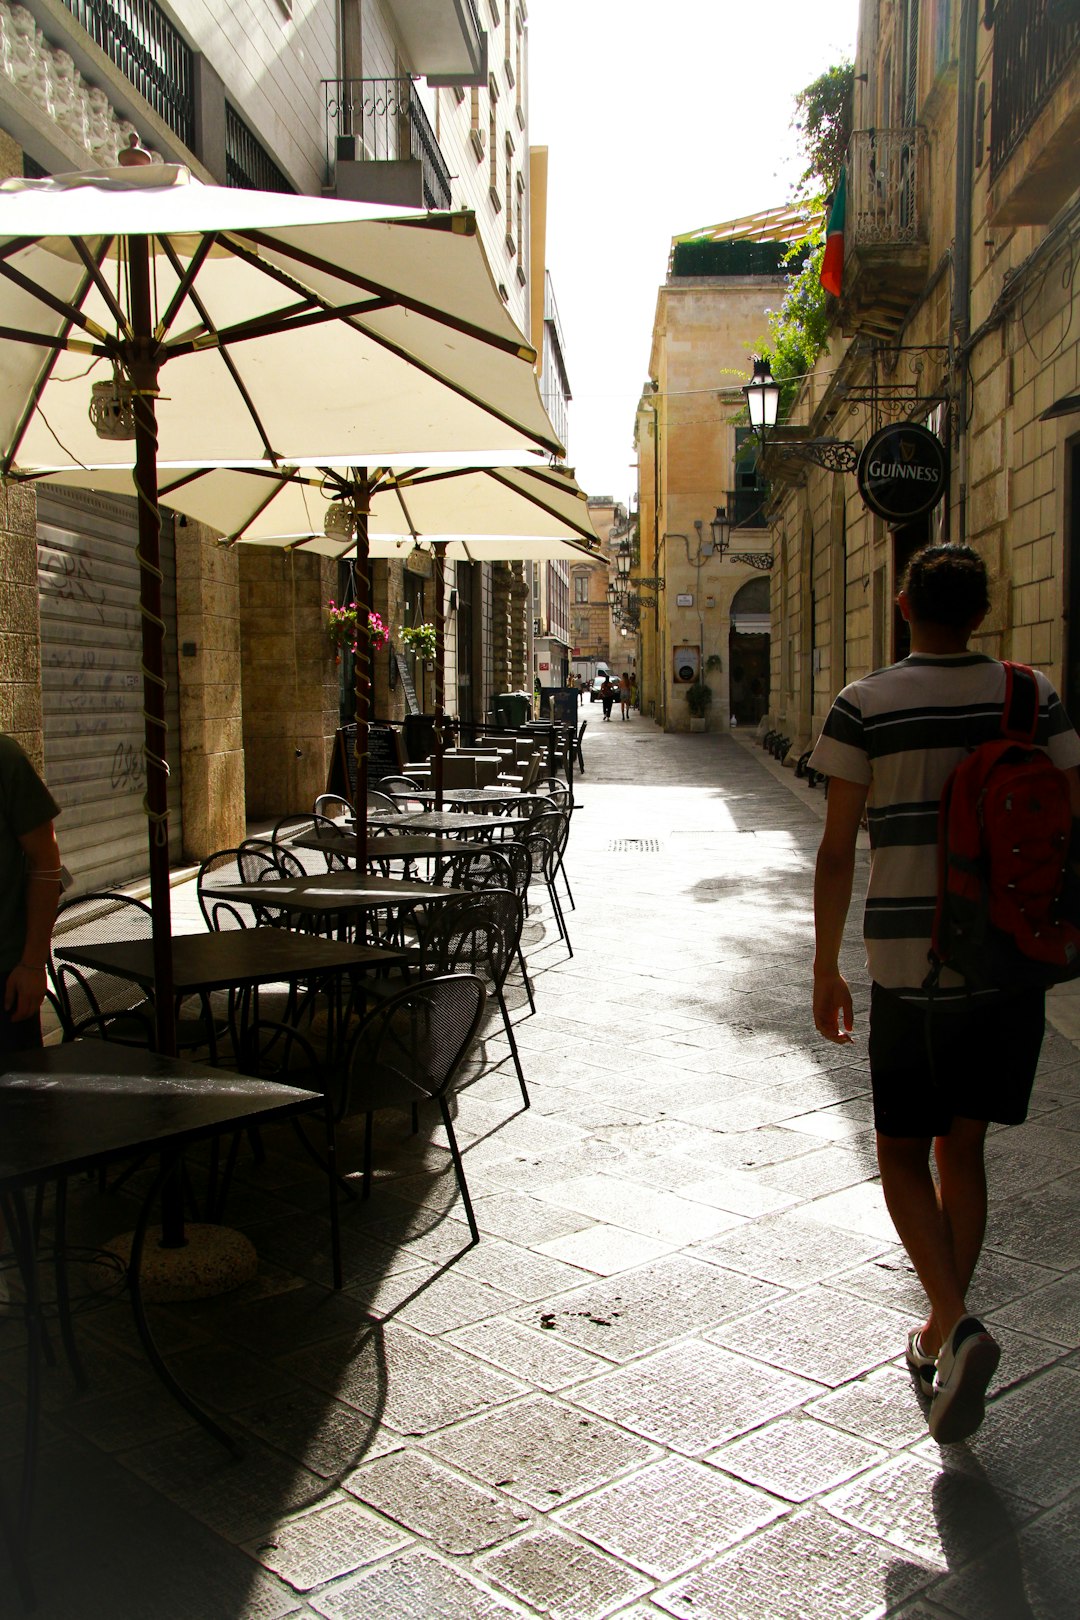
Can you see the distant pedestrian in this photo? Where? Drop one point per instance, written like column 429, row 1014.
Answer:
column 939, row 1073
column 607, row 696
column 625, row 694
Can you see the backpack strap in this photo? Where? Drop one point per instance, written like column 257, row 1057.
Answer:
column 1020, row 716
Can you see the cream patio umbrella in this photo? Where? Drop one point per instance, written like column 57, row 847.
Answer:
column 469, row 514
column 146, row 319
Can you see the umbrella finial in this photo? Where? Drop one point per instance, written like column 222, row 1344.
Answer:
column 133, row 155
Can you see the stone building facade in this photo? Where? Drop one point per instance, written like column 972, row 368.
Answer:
column 960, row 311
column 693, row 458
column 369, row 99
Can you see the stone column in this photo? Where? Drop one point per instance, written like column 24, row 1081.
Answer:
column 211, row 718
column 501, row 620
column 290, row 687
column 520, row 679
column 20, row 622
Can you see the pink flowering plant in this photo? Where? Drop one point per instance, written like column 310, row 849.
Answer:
column 343, row 626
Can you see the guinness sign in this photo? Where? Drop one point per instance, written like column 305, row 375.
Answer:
column 902, row 472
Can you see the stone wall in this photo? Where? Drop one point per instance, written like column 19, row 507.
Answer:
column 20, row 629
column 211, row 721
column 290, row 690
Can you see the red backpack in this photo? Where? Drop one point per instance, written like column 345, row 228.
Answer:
column 1003, row 841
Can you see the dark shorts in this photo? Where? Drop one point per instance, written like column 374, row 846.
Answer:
column 967, row 1060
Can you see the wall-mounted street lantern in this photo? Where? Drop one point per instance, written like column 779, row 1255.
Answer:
column 720, row 531
column 623, row 559
column 762, row 394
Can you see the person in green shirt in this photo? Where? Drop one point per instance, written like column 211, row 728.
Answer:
column 30, row 876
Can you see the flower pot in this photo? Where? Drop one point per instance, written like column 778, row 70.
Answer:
column 697, row 722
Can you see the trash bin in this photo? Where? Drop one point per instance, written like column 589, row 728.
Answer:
column 512, row 708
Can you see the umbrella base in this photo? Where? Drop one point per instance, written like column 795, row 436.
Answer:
column 213, row 1260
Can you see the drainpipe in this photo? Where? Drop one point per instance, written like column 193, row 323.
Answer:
column 960, row 314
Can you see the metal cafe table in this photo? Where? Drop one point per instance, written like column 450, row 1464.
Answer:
column 332, row 893
column 448, row 823
column 407, row 846
column 232, row 959
column 71, row 1108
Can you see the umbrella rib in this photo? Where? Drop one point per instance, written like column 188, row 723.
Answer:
column 229, row 363
column 70, row 313
column 93, row 270
column 311, row 261
column 274, row 325
column 413, row 530
column 185, row 278
column 58, row 343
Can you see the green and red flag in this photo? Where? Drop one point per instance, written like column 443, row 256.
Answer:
column 832, row 265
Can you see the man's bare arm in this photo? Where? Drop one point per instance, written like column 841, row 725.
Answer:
column 26, row 981
column 833, row 878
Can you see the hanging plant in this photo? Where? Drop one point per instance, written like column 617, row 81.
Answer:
column 343, row 627
column 420, row 640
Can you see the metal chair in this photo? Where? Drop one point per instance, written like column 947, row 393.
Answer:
column 545, row 839
column 501, row 866
column 477, row 933
column 91, row 1002
column 577, row 746
column 333, row 807
column 219, row 915
column 408, row 1051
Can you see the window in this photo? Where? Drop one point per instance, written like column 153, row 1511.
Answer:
column 944, row 53
column 581, row 587
column 493, row 144
column 476, row 133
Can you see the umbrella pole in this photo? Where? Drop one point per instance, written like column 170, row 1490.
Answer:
column 144, row 372
column 440, row 667
column 362, row 502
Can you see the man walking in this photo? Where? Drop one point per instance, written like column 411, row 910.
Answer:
column 938, row 1077
column 30, row 876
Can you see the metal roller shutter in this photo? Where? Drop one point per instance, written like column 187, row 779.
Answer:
column 91, row 682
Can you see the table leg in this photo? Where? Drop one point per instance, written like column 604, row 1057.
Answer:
column 169, row 1172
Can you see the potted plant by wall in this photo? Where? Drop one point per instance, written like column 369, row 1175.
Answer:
column 698, row 698
column 419, row 640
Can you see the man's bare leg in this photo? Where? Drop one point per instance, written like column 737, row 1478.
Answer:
column 962, row 1201
column 924, row 1228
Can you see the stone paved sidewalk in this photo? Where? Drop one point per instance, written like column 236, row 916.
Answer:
column 669, row 1381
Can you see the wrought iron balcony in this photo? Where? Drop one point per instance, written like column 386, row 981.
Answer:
column 746, row 506
column 375, row 122
column 1035, row 47
column 887, row 257
column 140, row 40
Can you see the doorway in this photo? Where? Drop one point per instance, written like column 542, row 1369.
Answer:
column 906, row 541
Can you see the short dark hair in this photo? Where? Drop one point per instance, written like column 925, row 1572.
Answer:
column 947, row 585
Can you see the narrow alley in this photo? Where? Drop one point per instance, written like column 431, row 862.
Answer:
column 670, row 1379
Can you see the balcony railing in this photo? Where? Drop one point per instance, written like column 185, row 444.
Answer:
column 746, row 507
column 137, row 36
column 382, row 121
column 248, row 164
column 886, row 187
column 1034, row 41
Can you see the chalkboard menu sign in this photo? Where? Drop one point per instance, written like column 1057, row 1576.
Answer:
column 564, row 706
column 405, row 677
column 384, row 759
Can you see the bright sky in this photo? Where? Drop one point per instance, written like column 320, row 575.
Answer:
column 658, row 118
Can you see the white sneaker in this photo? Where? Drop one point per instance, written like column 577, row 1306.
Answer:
column 967, row 1362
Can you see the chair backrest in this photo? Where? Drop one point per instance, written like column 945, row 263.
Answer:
column 479, row 869
column 411, row 1046
column 333, row 806
column 380, row 801
column 331, row 858
column 288, row 828
column 219, row 915
column 458, row 771
column 475, row 933
column 88, row 998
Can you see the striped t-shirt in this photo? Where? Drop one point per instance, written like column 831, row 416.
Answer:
column 901, row 731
